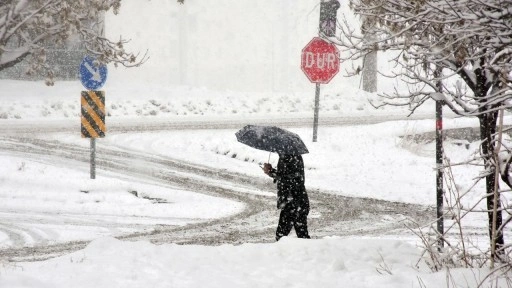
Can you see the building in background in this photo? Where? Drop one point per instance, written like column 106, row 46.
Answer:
column 240, row 45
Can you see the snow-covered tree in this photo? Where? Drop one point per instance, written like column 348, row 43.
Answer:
column 456, row 51
column 28, row 27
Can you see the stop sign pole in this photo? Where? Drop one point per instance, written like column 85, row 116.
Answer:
column 320, row 62
column 317, row 110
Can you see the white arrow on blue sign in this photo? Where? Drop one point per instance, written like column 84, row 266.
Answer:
column 92, row 75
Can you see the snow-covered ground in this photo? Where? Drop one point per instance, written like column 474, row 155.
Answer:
column 362, row 161
column 329, row 262
column 223, row 76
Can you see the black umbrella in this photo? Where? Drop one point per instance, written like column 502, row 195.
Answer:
column 272, row 139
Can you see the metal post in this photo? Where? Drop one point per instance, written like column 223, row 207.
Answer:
column 439, row 164
column 93, row 158
column 317, row 108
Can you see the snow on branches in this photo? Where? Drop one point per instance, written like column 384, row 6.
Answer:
column 457, row 52
column 29, row 27
column 466, row 38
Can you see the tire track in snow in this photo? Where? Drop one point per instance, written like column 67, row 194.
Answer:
column 336, row 215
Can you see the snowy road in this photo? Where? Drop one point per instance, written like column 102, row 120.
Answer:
column 18, row 127
column 332, row 214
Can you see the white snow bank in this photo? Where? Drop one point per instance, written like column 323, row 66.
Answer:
column 291, row 262
column 34, row 100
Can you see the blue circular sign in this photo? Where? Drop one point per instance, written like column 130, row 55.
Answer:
column 92, row 74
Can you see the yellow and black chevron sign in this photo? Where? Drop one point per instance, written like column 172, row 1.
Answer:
column 93, row 114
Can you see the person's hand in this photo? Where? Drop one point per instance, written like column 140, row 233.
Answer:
column 267, row 167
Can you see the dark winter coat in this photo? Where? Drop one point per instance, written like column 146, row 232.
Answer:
column 289, row 176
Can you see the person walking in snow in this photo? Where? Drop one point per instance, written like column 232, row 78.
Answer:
column 292, row 197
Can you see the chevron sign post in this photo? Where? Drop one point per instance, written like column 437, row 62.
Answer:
column 92, row 75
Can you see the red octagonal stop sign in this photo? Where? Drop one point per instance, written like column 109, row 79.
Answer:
column 320, row 61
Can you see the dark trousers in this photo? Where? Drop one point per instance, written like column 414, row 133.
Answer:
column 293, row 216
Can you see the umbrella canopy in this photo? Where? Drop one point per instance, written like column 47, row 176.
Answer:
column 272, row 139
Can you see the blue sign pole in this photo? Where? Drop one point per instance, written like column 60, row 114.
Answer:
column 93, row 76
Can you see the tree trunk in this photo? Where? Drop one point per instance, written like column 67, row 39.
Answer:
column 487, row 134
column 370, row 72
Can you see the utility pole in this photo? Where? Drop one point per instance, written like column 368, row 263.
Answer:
column 183, row 45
